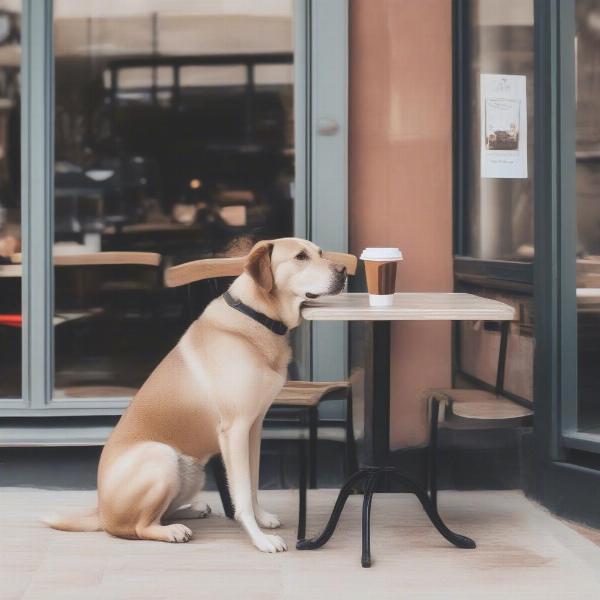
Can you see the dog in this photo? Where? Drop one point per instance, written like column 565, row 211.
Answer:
column 209, row 395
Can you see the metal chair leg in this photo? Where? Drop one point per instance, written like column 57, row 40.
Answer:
column 221, row 481
column 313, row 418
column 432, row 483
column 301, row 489
column 366, row 519
column 351, row 462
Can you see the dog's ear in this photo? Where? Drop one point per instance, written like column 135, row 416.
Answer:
column 258, row 265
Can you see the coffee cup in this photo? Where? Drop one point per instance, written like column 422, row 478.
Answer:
column 380, row 269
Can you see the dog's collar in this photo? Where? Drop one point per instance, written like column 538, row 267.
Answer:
column 275, row 326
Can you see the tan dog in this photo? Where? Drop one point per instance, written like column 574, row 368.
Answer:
column 208, row 395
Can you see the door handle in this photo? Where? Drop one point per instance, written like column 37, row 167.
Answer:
column 327, row 126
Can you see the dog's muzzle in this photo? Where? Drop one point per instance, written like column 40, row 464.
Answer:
column 338, row 281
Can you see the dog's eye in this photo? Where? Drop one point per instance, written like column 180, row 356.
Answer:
column 301, row 256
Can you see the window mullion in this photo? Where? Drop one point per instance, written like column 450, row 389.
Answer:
column 37, row 152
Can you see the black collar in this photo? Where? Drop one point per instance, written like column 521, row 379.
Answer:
column 275, row 326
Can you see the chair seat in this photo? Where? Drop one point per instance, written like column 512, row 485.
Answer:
column 498, row 409
column 480, row 405
column 307, row 393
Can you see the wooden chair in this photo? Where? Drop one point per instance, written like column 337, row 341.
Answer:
column 303, row 397
column 473, row 409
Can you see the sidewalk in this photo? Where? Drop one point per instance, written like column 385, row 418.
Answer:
column 523, row 552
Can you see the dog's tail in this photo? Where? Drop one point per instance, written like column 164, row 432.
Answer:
column 88, row 521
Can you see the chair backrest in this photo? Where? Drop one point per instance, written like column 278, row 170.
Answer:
column 150, row 259
column 214, row 268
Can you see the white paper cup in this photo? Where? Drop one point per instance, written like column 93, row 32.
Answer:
column 380, row 270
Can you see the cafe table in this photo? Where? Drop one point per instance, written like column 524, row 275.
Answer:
column 406, row 307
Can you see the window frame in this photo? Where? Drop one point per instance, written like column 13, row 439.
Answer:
column 501, row 270
column 556, row 358
column 493, row 274
column 570, row 437
column 551, row 277
column 560, row 466
column 321, row 31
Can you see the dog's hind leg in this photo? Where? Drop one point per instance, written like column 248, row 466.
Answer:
column 235, row 448
column 174, row 533
column 137, row 490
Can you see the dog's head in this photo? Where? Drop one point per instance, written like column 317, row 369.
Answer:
column 294, row 266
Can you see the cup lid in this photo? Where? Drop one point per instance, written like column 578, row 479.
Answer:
column 381, row 254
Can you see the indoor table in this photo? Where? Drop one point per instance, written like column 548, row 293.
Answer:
column 406, row 307
column 11, row 270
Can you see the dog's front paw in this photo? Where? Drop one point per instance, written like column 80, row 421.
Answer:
column 270, row 543
column 267, row 519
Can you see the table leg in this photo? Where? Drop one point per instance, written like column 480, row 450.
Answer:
column 323, row 538
column 460, row 541
column 378, row 412
column 377, row 423
column 366, row 519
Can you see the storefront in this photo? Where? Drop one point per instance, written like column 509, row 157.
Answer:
column 191, row 132
column 535, row 238
column 183, row 131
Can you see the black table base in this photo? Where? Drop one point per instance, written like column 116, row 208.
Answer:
column 370, row 476
column 377, row 432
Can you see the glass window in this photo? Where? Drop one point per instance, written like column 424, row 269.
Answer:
column 497, row 213
column 587, row 55
column 174, row 135
column 10, row 204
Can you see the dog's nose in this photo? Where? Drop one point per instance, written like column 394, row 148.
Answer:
column 340, row 269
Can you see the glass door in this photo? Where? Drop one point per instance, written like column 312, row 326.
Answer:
column 11, row 314
column 174, row 135
column 581, row 404
column 587, row 180
column 175, row 130
column 494, row 210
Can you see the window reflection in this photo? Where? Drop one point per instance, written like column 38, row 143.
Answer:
column 498, row 213
column 496, row 219
column 174, row 135
column 10, row 206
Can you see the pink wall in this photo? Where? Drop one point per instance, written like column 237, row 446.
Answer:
column 401, row 176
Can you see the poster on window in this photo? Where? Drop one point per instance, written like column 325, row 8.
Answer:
column 503, row 126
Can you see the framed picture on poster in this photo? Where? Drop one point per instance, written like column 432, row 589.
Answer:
column 503, row 126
